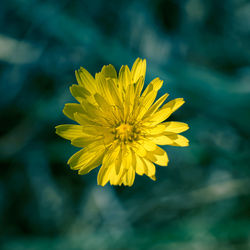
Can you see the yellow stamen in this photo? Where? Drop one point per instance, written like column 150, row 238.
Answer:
column 125, row 132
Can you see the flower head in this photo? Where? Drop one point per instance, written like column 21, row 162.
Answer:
column 120, row 125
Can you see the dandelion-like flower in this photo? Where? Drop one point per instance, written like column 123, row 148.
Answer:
column 120, row 126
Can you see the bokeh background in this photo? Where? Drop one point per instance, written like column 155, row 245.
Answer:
column 201, row 49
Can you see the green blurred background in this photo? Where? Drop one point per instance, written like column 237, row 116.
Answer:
column 201, row 49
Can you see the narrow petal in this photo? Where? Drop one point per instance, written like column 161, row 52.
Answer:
column 126, row 156
column 156, row 105
column 104, row 88
column 85, row 140
column 158, row 156
column 148, row 97
column 154, row 85
column 175, row 127
column 79, row 92
column 138, row 69
column 164, row 112
column 148, row 144
column 124, row 77
column 69, row 132
column 111, row 156
column 139, row 149
column 150, row 168
column 102, row 102
column 90, row 127
column 144, row 166
column 86, row 156
column 109, row 71
column 156, row 130
column 129, row 177
column 113, row 177
column 169, row 139
column 118, row 156
column 103, row 177
column 118, row 161
column 137, row 163
column 145, row 103
column 92, row 164
column 85, row 79
column 129, row 101
column 84, row 120
column 71, row 108
column 161, row 139
column 111, row 161
column 138, row 87
column 178, row 140
column 114, row 93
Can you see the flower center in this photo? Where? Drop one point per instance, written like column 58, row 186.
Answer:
column 125, row 132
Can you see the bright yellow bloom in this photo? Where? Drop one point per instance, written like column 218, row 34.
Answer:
column 119, row 125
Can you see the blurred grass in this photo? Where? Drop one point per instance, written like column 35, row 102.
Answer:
column 201, row 51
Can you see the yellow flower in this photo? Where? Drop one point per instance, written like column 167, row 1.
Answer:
column 119, row 125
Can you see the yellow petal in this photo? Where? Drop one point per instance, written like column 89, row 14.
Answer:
column 139, row 149
column 85, row 79
column 118, row 161
column 104, row 87
column 175, row 127
column 144, row 166
column 137, row 100
column 109, row 71
column 91, row 115
column 148, row 97
column 154, row 85
column 69, row 132
column 165, row 111
column 108, row 138
column 124, row 77
column 108, row 173
column 115, row 96
column 150, row 168
column 129, row 101
column 160, row 139
column 148, row 144
column 71, row 108
column 138, row 70
column 85, row 140
column 103, row 175
column 111, row 155
column 102, row 102
column 79, row 92
column 126, row 156
column 86, row 156
column 145, row 103
column 178, row 140
column 129, row 177
column 151, row 131
column 156, row 105
column 138, row 87
column 91, row 127
column 114, row 178
column 92, row 164
column 84, row 120
column 123, row 161
column 158, row 156
column 124, row 175
column 137, row 163
column 91, row 110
